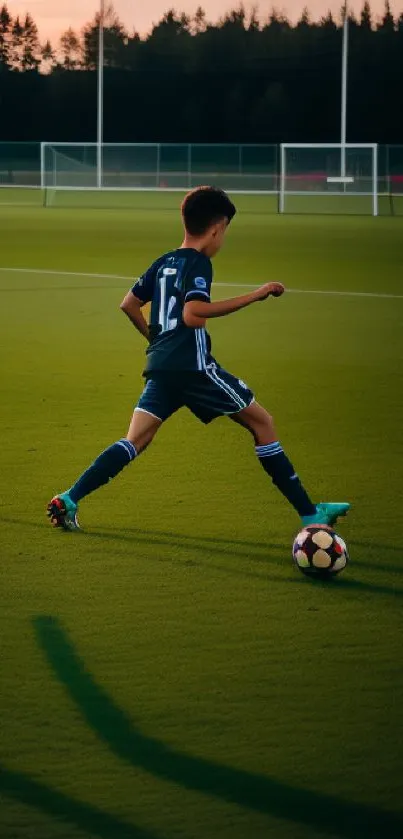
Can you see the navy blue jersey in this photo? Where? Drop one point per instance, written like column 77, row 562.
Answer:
column 181, row 275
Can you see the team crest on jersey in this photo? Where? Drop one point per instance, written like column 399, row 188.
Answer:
column 200, row 282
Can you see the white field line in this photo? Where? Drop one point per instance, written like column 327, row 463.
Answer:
column 127, row 279
column 20, row 204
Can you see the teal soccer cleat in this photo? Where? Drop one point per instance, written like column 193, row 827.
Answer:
column 326, row 514
column 62, row 512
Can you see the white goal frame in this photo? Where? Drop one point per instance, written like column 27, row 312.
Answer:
column 341, row 179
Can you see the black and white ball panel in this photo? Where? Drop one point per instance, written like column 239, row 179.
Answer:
column 319, row 550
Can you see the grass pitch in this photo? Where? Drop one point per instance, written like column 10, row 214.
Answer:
column 167, row 673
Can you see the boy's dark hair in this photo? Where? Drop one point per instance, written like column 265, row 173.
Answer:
column 204, row 206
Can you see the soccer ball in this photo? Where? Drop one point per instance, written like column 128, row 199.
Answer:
column 319, row 552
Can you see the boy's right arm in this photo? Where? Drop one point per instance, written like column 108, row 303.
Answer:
column 137, row 297
column 196, row 311
column 132, row 306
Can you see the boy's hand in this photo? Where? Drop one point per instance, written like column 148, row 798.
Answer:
column 269, row 289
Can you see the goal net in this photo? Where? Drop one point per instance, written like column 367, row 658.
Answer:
column 328, row 178
column 74, row 174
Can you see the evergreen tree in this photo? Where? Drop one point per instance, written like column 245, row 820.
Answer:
column 16, row 44
column 48, row 56
column 115, row 40
column 171, row 25
column 277, row 22
column 5, row 36
column 236, row 17
column 70, row 48
column 199, row 23
column 31, row 50
column 366, row 17
column 254, row 25
column 387, row 23
column 304, row 22
column 328, row 22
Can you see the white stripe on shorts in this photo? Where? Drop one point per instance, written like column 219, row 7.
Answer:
column 213, row 375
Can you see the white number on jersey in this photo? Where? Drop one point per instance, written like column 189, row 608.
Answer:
column 165, row 319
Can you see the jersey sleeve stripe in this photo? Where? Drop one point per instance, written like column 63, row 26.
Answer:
column 197, row 293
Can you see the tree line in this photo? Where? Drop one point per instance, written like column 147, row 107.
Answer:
column 241, row 79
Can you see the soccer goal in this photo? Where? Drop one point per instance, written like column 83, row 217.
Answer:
column 329, row 178
column 120, row 174
column 84, row 174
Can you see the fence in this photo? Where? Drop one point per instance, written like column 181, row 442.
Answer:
column 20, row 164
column 232, row 166
column 159, row 166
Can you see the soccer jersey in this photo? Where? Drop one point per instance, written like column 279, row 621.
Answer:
column 181, row 275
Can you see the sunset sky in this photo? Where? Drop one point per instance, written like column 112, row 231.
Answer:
column 54, row 16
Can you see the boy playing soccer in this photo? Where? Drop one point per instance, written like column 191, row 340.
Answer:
column 180, row 369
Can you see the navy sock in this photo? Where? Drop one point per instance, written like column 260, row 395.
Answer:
column 282, row 473
column 106, row 466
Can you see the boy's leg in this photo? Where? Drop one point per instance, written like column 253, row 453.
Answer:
column 276, row 463
column 158, row 401
column 109, row 463
column 63, row 508
column 273, row 459
column 218, row 393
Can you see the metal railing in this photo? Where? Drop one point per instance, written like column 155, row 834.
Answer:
column 181, row 166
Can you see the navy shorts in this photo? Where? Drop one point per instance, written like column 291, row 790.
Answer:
column 208, row 394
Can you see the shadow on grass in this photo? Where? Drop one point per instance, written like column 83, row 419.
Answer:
column 163, row 537
column 385, row 549
column 347, row 584
column 135, row 535
column 197, row 538
column 338, row 582
column 86, row 817
column 378, row 546
column 264, row 546
column 331, row 815
column 199, row 541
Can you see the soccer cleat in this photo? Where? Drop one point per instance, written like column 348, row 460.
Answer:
column 62, row 512
column 326, row 514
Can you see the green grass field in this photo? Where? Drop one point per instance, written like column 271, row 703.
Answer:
column 167, row 672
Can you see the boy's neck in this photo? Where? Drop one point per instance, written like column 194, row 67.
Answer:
column 194, row 242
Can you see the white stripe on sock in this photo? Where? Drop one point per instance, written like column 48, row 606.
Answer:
column 128, row 447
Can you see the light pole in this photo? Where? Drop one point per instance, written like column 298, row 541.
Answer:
column 344, row 65
column 100, row 108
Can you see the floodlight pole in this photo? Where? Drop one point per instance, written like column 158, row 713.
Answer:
column 100, row 109
column 344, row 64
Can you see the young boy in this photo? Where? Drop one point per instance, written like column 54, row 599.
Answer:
column 180, row 369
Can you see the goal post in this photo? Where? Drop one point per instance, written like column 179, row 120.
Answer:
column 329, row 178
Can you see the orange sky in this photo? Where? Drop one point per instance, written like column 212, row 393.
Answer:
column 54, row 16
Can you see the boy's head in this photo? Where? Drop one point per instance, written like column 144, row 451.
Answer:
column 206, row 213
